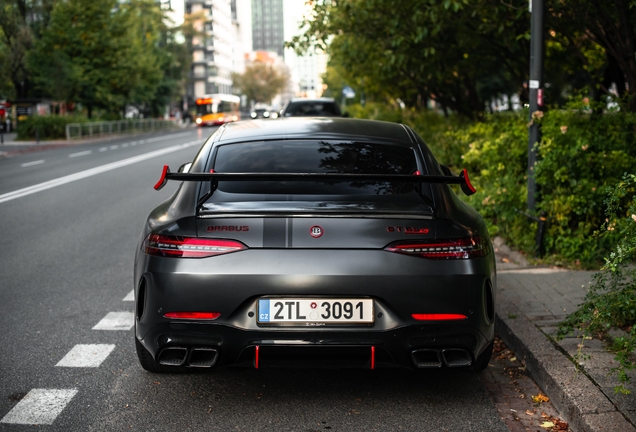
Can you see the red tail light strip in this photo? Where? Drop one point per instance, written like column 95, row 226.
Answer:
column 193, row 315
column 462, row 248
column 256, row 350
column 189, row 247
column 439, row 317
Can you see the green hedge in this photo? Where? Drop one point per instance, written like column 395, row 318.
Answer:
column 581, row 154
column 49, row 127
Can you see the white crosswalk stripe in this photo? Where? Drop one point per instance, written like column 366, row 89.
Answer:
column 91, row 355
column 39, row 406
column 130, row 296
column 116, row 321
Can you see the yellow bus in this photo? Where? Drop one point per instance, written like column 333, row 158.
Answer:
column 216, row 109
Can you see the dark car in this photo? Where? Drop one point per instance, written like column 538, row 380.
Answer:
column 260, row 112
column 320, row 107
column 321, row 242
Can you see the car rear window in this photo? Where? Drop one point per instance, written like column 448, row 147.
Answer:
column 309, row 156
column 312, row 109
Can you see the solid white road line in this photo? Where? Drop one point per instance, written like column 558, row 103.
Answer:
column 93, row 171
column 82, row 153
column 86, row 355
column 116, row 321
column 39, row 406
column 28, row 164
column 130, row 296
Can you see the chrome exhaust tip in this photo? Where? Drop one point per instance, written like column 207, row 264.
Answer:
column 454, row 357
column 426, row 358
column 172, row 356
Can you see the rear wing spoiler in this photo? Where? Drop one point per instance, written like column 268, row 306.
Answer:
column 213, row 177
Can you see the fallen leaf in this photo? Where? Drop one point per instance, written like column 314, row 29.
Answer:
column 540, row 398
column 513, row 358
column 530, row 412
column 547, row 425
column 505, row 260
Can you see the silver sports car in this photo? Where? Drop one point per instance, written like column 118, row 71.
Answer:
column 314, row 242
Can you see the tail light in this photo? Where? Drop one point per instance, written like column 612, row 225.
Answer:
column 189, row 247
column 439, row 317
column 193, row 315
column 461, row 248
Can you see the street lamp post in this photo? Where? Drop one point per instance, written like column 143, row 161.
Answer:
column 535, row 88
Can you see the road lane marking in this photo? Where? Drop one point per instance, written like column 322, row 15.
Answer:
column 82, row 153
column 103, row 149
column 124, row 145
column 116, row 321
column 28, row 164
column 130, row 296
column 114, row 147
column 93, row 171
column 91, row 355
column 39, row 406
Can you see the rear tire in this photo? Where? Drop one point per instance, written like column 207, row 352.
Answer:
column 151, row 365
column 481, row 362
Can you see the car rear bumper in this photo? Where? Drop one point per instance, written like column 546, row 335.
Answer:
column 399, row 285
column 416, row 346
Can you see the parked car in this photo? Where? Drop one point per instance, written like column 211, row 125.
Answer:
column 321, row 107
column 314, row 241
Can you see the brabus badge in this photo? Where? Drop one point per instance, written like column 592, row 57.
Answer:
column 316, row 231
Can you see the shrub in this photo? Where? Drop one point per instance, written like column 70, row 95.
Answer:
column 496, row 159
column 580, row 154
column 611, row 301
column 48, row 127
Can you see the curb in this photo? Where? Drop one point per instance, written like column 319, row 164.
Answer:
column 578, row 399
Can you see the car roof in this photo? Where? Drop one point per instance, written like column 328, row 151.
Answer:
column 321, row 99
column 315, row 127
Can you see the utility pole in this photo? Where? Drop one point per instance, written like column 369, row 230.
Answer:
column 535, row 88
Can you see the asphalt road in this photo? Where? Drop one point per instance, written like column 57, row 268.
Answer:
column 69, row 225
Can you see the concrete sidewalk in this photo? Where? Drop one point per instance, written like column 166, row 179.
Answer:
column 530, row 304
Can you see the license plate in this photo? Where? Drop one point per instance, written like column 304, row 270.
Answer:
column 315, row 311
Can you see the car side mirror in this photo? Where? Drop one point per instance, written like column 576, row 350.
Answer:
column 185, row 168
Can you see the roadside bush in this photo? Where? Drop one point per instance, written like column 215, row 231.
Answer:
column 580, row 155
column 496, row 159
column 611, row 301
column 48, row 127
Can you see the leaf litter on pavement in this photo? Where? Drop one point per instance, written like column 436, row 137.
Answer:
column 516, row 396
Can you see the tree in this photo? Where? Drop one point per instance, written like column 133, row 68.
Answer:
column 105, row 55
column 602, row 35
column 261, row 81
column 459, row 53
column 21, row 22
column 463, row 53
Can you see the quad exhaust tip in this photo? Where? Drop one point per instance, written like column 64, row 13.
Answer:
column 201, row 357
column 433, row 358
